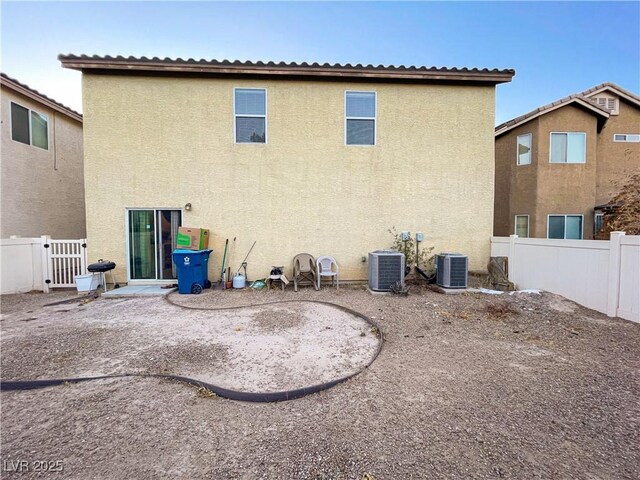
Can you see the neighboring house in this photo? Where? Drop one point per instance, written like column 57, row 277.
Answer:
column 557, row 166
column 42, row 165
column 314, row 158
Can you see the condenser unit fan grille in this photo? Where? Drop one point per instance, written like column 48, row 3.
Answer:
column 386, row 268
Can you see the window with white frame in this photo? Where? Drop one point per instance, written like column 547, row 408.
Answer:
column 564, row 226
column 568, row 147
column 250, row 111
column 626, row 137
column 29, row 127
column 360, row 118
column 524, row 149
column 522, row 226
column 598, row 222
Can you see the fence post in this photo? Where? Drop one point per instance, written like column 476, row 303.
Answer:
column 613, row 280
column 44, row 255
column 512, row 257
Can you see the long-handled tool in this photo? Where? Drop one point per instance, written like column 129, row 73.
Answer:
column 225, row 266
column 224, row 259
column 244, row 262
column 232, row 249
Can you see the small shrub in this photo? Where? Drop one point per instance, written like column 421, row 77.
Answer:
column 399, row 289
column 424, row 258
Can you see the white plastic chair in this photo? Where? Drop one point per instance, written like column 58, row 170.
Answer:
column 325, row 268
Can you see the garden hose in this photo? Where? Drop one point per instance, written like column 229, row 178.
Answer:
column 11, row 385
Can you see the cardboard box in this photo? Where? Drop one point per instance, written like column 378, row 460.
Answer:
column 192, row 238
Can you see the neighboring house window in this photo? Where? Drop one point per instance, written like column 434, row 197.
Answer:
column 598, row 222
column 609, row 103
column 360, row 115
column 524, row 149
column 625, row 137
column 29, row 127
column 522, row 226
column 568, row 147
column 250, row 111
column 565, row 226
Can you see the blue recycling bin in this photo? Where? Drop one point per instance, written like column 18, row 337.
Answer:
column 192, row 267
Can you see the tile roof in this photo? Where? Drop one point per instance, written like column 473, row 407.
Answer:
column 575, row 98
column 304, row 69
column 581, row 98
column 615, row 88
column 34, row 94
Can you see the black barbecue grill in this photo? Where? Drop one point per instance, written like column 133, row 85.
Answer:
column 102, row 267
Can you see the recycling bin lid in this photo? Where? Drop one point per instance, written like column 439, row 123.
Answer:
column 190, row 252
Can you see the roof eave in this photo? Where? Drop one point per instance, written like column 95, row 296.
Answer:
column 470, row 76
column 630, row 97
column 37, row 97
column 603, row 116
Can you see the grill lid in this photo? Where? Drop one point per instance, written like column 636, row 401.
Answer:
column 101, row 266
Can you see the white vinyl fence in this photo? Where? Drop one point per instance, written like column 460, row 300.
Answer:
column 40, row 263
column 600, row 274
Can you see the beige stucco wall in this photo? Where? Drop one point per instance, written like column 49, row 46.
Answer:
column 544, row 188
column 516, row 185
column 617, row 159
column 42, row 190
column 163, row 142
column 566, row 188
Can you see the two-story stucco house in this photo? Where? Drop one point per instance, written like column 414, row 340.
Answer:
column 557, row 166
column 42, row 165
column 310, row 158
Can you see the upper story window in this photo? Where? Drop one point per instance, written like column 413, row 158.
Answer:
column 610, row 103
column 568, row 147
column 524, row 149
column 626, row 137
column 29, row 127
column 250, row 112
column 360, row 116
column 564, row 226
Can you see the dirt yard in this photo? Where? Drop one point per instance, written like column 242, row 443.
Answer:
column 466, row 386
column 259, row 349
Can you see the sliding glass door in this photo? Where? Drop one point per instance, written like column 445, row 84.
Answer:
column 152, row 236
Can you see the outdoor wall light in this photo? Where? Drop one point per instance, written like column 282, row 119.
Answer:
column 187, row 207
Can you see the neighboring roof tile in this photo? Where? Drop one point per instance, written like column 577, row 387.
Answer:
column 304, row 69
column 34, row 94
column 616, row 89
column 575, row 98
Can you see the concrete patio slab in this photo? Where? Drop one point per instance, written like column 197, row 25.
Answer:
column 139, row 291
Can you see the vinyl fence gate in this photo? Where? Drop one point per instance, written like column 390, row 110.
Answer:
column 62, row 261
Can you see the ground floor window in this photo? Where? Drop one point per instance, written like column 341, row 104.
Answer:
column 564, row 226
column 598, row 222
column 522, row 226
column 151, row 239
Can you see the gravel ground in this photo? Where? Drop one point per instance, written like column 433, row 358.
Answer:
column 466, row 386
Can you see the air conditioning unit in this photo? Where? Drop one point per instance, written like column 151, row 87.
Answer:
column 452, row 270
column 386, row 268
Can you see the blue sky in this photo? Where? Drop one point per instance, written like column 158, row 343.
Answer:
column 556, row 48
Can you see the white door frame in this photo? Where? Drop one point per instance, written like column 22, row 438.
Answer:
column 155, row 281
